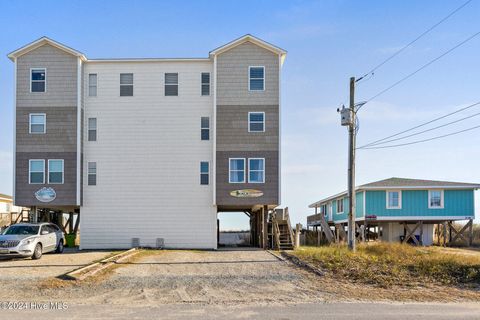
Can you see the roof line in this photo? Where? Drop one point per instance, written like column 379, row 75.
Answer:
column 248, row 37
column 33, row 45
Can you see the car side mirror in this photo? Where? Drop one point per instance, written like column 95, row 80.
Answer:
column 44, row 232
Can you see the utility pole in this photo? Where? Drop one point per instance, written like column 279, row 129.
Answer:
column 351, row 167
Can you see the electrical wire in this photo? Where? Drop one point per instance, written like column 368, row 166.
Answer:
column 424, row 140
column 420, row 125
column 428, row 130
column 371, row 72
column 422, row 67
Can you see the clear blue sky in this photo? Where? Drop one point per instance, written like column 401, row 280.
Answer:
column 327, row 42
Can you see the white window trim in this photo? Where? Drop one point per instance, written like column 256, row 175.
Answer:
column 263, row 176
column 230, row 170
column 30, row 123
column 399, row 199
column 30, row 172
column 88, row 129
column 165, row 84
column 264, row 78
column 31, row 80
column 343, row 206
column 442, row 199
column 96, row 85
column 264, row 121
column 120, row 82
column 63, row 171
column 204, row 83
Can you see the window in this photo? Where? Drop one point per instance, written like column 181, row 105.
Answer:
column 171, row 84
column 126, row 84
column 205, row 128
column 236, row 170
column 92, row 173
column 256, row 78
column 340, row 205
column 204, row 173
column 205, row 84
column 92, row 129
column 256, row 170
column 435, row 199
column 394, row 199
column 256, row 122
column 38, row 79
column 55, row 171
column 323, row 209
column 92, row 85
column 38, row 123
column 36, row 171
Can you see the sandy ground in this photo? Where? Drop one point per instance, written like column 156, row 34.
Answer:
column 49, row 266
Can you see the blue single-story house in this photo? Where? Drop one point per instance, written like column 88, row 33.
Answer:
column 401, row 209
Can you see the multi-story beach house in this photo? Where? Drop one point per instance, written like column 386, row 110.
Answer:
column 402, row 210
column 148, row 151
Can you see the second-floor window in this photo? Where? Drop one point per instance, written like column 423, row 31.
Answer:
column 205, row 83
column 55, row 171
column 394, row 199
column 256, row 78
column 171, row 84
column 126, row 84
column 205, row 128
column 38, row 123
column 204, row 170
column 36, row 172
column 92, row 85
column 38, row 80
column 92, row 129
column 236, row 170
column 256, row 121
column 256, row 170
column 92, row 173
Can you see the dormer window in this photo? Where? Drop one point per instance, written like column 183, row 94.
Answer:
column 38, row 80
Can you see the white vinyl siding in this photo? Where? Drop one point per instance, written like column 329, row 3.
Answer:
column 38, row 123
column 55, row 171
column 36, row 171
column 161, row 135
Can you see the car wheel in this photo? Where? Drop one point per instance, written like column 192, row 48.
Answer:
column 59, row 247
column 37, row 253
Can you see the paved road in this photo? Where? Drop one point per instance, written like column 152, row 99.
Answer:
column 350, row 311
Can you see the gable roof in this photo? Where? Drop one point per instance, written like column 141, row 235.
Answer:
column 42, row 41
column 404, row 183
column 254, row 40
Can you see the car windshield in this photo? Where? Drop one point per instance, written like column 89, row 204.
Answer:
column 22, row 230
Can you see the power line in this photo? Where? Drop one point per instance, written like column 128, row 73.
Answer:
column 424, row 140
column 423, row 67
column 428, row 130
column 415, row 40
column 420, row 125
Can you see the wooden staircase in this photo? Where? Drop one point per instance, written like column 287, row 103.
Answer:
column 282, row 233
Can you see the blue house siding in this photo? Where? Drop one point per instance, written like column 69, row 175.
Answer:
column 415, row 203
column 344, row 216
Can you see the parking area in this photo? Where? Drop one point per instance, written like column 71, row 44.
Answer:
column 49, row 266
